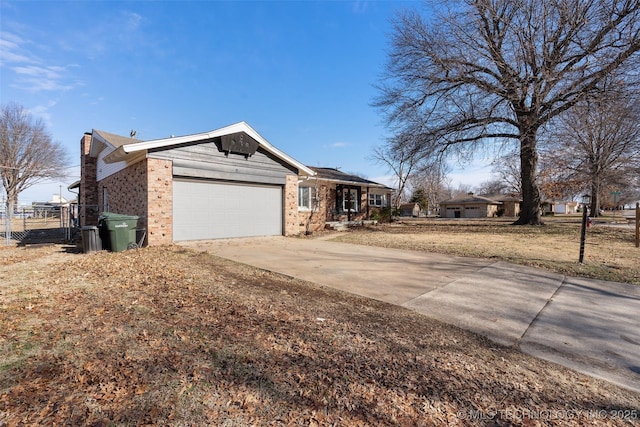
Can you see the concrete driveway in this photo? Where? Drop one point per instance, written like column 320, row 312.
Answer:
column 589, row 325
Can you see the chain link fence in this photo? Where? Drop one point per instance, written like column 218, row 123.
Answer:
column 38, row 224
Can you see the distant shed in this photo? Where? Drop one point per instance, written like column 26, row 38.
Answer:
column 410, row 209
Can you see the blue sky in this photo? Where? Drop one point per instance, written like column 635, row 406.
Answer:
column 301, row 73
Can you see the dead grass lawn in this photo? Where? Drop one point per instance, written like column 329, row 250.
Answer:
column 170, row 336
column 610, row 253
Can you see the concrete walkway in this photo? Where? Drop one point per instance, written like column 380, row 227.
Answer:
column 589, row 325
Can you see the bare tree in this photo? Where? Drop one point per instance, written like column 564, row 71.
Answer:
column 506, row 169
column 597, row 143
column 492, row 187
column 431, row 181
column 27, row 153
column 403, row 156
column 462, row 190
column 479, row 71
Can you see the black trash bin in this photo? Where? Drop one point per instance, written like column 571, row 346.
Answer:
column 91, row 241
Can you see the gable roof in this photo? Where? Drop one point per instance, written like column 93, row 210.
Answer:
column 334, row 175
column 470, row 199
column 513, row 197
column 127, row 148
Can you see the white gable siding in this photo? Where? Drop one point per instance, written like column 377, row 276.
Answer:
column 107, row 169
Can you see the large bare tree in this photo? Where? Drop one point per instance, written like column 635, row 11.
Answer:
column 27, row 153
column 478, row 71
column 597, row 142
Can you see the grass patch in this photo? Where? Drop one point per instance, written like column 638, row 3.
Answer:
column 610, row 253
column 171, row 336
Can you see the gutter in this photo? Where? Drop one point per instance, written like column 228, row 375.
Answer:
column 122, row 152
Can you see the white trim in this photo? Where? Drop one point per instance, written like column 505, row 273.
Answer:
column 104, row 169
column 94, row 148
column 383, row 199
column 121, row 153
column 311, row 199
column 373, row 185
column 354, row 200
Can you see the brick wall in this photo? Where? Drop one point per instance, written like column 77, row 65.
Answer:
column 144, row 189
column 125, row 192
column 315, row 220
column 291, row 206
column 327, row 209
column 88, row 193
column 334, row 215
column 160, row 201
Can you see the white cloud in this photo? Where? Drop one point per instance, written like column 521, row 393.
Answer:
column 359, row 6
column 42, row 111
column 132, row 21
column 52, row 72
column 113, row 33
column 11, row 57
column 35, row 78
column 337, row 145
column 9, row 40
column 11, row 50
column 32, row 73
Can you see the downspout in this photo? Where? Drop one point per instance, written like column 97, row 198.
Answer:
column 348, row 204
column 76, row 214
column 366, row 200
column 310, row 218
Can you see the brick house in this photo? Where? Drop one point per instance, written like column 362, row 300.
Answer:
column 331, row 196
column 229, row 182
column 510, row 203
column 470, row 206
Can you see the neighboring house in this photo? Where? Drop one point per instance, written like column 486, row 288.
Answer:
column 560, row 207
column 470, row 206
column 334, row 196
column 229, row 182
column 55, row 203
column 410, row 209
column 510, row 204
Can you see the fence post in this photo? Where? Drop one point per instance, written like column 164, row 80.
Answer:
column 637, row 224
column 7, row 223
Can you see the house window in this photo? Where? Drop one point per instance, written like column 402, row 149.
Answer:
column 379, row 200
column 306, row 198
column 350, row 200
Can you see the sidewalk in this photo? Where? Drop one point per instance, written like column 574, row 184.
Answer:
column 588, row 325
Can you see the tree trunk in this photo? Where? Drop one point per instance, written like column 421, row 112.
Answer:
column 530, row 209
column 12, row 201
column 595, row 196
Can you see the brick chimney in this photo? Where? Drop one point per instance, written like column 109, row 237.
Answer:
column 88, row 194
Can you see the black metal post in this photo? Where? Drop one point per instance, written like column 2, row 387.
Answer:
column 583, row 231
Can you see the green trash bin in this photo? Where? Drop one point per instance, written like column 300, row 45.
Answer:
column 120, row 229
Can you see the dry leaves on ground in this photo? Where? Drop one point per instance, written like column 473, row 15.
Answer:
column 167, row 335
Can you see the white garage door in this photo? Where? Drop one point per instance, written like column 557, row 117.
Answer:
column 215, row 210
column 473, row 212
